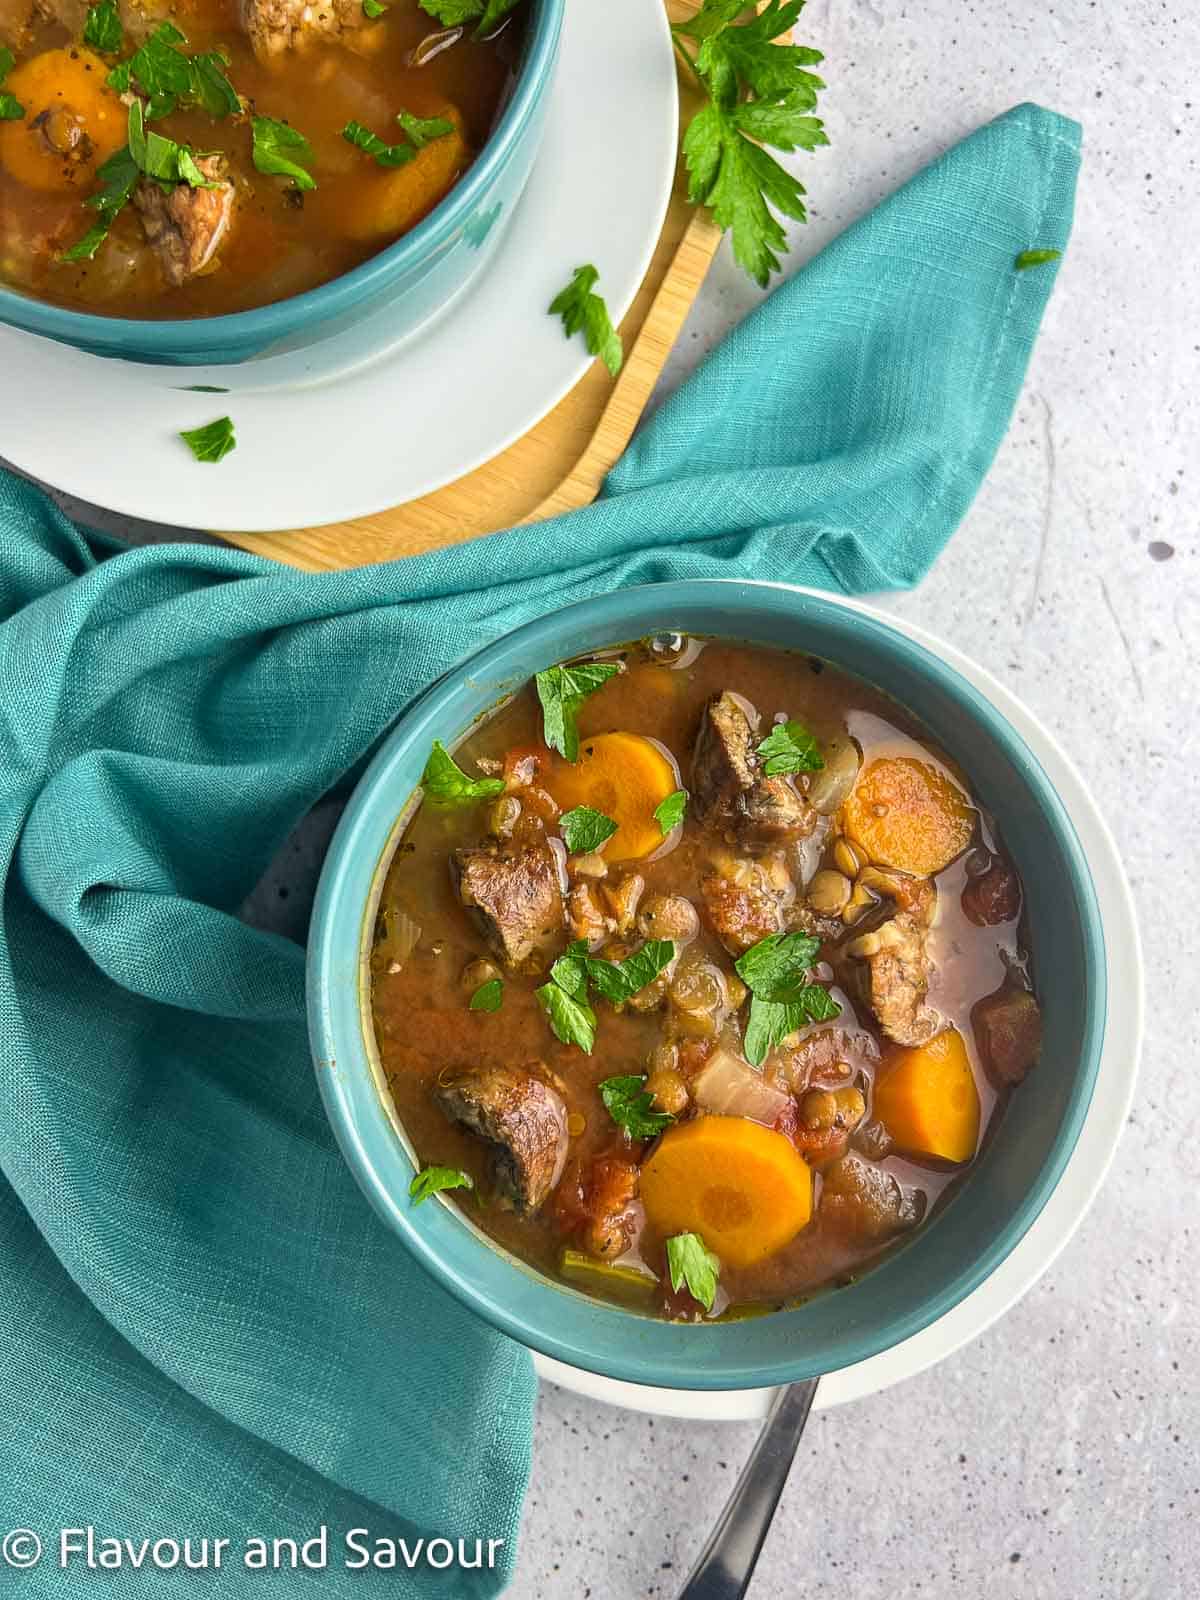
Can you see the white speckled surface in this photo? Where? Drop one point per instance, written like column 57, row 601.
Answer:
column 1058, row 1458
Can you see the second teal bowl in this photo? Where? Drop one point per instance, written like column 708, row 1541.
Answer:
column 414, row 278
column 1019, row 1167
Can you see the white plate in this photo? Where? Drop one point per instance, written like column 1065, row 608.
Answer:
column 343, row 429
column 1085, row 1171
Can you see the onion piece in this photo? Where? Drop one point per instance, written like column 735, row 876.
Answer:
column 397, row 942
column 730, row 1087
column 832, row 785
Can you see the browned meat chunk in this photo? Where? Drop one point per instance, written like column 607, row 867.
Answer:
column 865, row 1201
column 185, row 227
column 744, row 900
column 516, row 896
column 898, row 961
column 728, row 789
column 274, row 26
column 522, row 1118
column 1008, row 1031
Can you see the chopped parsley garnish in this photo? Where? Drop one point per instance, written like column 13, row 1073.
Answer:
column 631, row 1107
column 694, row 1267
column 670, row 813
column 583, row 311
column 213, row 442
column 119, row 176
column 419, row 132
column 423, row 130
column 160, row 69
column 488, row 997
column 279, row 150
column 565, row 998
column 562, row 690
column 432, row 1179
column 1035, row 258
column 457, row 13
column 789, row 747
column 585, row 830
column 102, row 30
column 760, row 93
column 373, row 10
column 619, row 981
column 775, row 970
column 211, row 88
column 10, row 107
column 161, row 158
column 387, row 155
column 446, row 784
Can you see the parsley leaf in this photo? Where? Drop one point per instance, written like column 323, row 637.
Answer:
column 631, row 1107
column 10, row 107
column 446, row 784
column 432, row 1179
column 1035, row 258
column 453, row 13
column 456, row 13
column 692, row 1264
column 571, row 1019
column 103, row 30
column 775, row 970
column 163, row 71
column 670, row 813
column 211, row 88
column 423, row 130
column 213, row 442
column 494, row 14
column 119, row 176
column 585, row 829
column 565, row 998
column 774, row 963
column 619, row 981
column 271, row 140
column 488, row 997
column 759, row 93
column 583, row 311
column 562, row 690
column 373, row 10
column 387, row 155
column 770, row 1021
column 789, row 747
column 161, row 158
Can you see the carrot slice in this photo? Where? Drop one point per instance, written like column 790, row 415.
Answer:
column 740, row 1186
column 73, row 122
column 908, row 814
column 927, row 1100
column 379, row 202
column 626, row 777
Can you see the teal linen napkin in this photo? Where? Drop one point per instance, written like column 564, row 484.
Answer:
column 204, row 1328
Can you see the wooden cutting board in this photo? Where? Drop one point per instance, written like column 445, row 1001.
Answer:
column 560, row 464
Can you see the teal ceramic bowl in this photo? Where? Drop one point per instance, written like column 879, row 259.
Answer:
column 414, row 278
column 1020, row 1165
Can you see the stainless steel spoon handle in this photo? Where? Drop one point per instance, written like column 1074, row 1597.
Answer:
column 726, row 1564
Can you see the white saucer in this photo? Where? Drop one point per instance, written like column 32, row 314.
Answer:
column 358, row 423
column 1085, row 1171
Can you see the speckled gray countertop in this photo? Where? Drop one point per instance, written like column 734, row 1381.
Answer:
column 1058, row 1457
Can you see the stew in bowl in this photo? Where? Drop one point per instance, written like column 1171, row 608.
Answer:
column 700, row 975
column 703, row 1111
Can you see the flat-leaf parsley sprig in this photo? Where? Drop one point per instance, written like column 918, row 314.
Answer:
column 760, row 92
